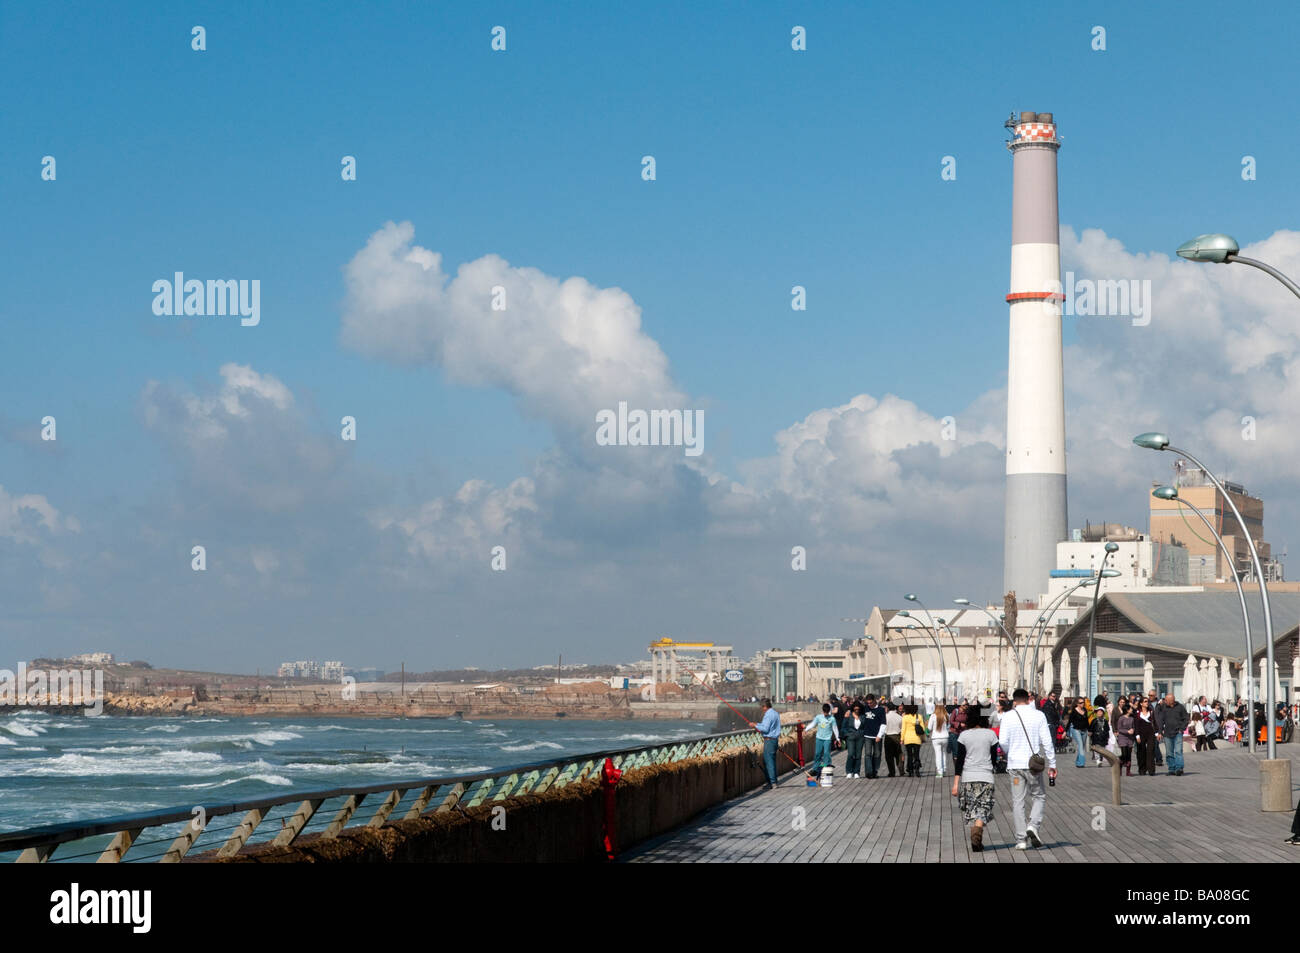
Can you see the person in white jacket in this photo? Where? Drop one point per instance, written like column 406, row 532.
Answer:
column 938, row 728
column 1022, row 733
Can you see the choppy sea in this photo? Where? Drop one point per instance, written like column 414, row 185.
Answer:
column 56, row 768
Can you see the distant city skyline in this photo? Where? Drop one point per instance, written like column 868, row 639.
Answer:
column 398, row 460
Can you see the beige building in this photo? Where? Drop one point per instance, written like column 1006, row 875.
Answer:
column 1170, row 522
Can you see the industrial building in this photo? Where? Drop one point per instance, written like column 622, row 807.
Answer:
column 1170, row 522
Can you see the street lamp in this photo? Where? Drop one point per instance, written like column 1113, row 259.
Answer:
column 1222, row 249
column 943, row 669
column 1020, row 672
column 956, row 654
column 883, row 653
column 1171, row 493
column 1092, row 621
column 1046, row 617
column 1159, row 441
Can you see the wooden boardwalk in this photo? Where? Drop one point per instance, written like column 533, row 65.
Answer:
column 1211, row 813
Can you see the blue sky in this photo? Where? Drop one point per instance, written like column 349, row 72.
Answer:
column 774, row 168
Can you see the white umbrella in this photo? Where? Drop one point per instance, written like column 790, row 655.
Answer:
column 1212, row 680
column 1203, row 685
column 1083, row 671
column 1263, row 680
column 996, row 678
column 1295, row 674
column 1277, row 685
column 1065, row 674
column 1189, row 676
column 1227, row 692
column 1148, row 677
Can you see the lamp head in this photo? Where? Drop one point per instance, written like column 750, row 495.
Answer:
column 1165, row 493
column 1110, row 573
column 1112, row 547
column 910, row 597
column 1215, row 248
column 962, row 602
column 1152, row 441
column 904, row 613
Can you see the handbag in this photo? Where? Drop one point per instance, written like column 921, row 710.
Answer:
column 1037, row 763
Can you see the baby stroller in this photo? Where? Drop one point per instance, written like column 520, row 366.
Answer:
column 1063, row 743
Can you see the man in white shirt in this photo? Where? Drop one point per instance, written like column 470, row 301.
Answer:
column 1022, row 733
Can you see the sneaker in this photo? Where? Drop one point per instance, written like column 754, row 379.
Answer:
column 1033, row 838
column 1022, row 845
column 1293, row 840
column 1179, row 772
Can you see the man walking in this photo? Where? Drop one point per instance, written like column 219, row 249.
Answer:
column 873, row 737
column 1171, row 722
column 770, row 729
column 894, row 740
column 1024, row 733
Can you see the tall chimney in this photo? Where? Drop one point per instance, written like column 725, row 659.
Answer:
column 1035, row 497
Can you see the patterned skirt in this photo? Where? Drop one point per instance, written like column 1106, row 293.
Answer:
column 976, row 800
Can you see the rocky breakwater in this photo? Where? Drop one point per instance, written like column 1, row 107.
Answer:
column 126, row 703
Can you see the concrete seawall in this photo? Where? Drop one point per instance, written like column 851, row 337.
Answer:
column 566, row 824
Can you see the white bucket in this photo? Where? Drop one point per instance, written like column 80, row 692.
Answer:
column 827, row 776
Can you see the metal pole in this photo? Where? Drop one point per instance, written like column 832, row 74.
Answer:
column 1051, row 610
column 1092, row 628
column 1291, row 285
column 943, row 669
column 1269, row 693
column 1245, row 621
column 955, row 653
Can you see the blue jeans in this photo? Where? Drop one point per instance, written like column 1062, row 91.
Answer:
column 1080, row 746
column 1174, row 753
column 769, row 758
column 822, row 754
column 872, row 752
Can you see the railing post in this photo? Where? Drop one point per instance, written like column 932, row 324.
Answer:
column 241, row 833
column 293, row 827
column 121, row 843
column 609, row 778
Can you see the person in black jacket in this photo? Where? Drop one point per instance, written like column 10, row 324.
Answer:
column 1079, row 732
column 1171, row 721
column 1144, row 727
column 854, row 733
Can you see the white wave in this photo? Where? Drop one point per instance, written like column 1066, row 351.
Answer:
column 18, row 728
column 116, row 749
column 276, row 779
column 170, row 729
column 533, row 746
column 7, row 741
column 173, row 763
column 208, row 721
column 29, row 749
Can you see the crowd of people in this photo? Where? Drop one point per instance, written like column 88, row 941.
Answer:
column 1018, row 735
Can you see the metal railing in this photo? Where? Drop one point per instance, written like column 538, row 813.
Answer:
column 329, row 812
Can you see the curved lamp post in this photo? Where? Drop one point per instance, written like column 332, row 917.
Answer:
column 1158, row 441
column 868, row 635
column 1092, row 623
column 938, row 646
column 956, row 654
column 1222, row 249
column 1171, row 493
column 1020, row 670
column 1051, row 610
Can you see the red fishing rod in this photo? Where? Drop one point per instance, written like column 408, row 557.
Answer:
column 739, row 714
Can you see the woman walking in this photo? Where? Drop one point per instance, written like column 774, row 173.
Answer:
column 972, row 781
column 854, row 735
column 912, row 735
column 1079, row 732
column 938, row 726
column 1144, row 727
column 1125, row 735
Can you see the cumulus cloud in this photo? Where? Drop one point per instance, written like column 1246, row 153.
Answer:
column 563, row 347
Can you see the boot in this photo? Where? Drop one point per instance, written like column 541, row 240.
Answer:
column 1128, row 770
